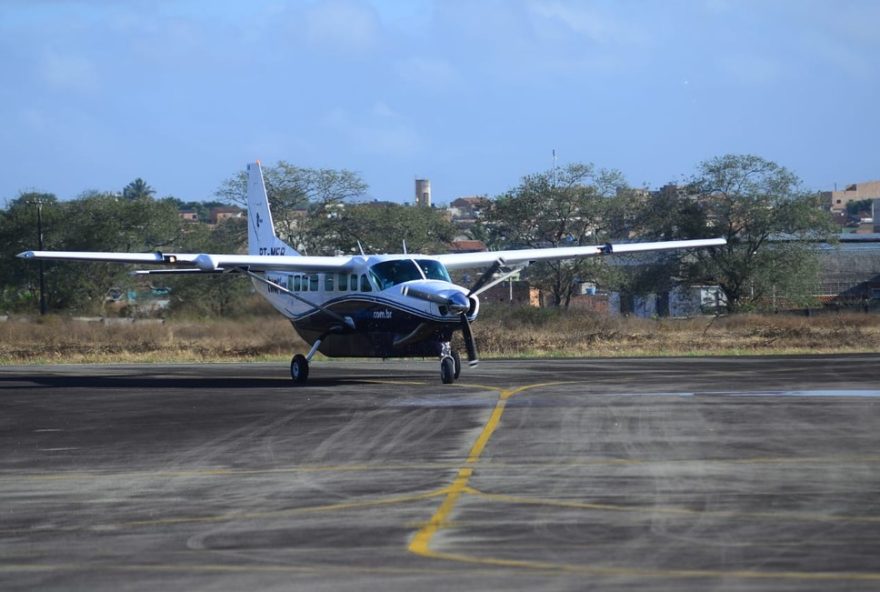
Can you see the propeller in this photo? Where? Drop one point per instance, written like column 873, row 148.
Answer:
column 470, row 343
column 457, row 302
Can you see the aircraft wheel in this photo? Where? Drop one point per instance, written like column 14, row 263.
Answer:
column 299, row 369
column 456, row 359
column 447, row 370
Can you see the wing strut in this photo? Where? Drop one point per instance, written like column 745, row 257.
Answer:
column 347, row 321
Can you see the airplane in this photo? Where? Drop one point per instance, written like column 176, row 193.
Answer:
column 373, row 306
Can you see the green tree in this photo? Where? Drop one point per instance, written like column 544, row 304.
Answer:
column 571, row 206
column 214, row 295
column 856, row 207
column 297, row 196
column 381, row 227
column 103, row 222
column 138, row 189
column 19, row 279
column 92, row 222
column 748, row 201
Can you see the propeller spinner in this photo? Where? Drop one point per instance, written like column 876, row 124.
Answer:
column 457, row 302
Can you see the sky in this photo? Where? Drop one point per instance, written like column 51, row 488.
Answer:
column 471, row 94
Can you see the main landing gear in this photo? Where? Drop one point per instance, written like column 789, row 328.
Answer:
column 299, row 365
column 450, row 364
column 299, row 369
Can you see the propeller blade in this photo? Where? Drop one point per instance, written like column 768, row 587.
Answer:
column 487, row 275
column 469, row 343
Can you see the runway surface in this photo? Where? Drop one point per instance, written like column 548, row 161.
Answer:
column 661, row 474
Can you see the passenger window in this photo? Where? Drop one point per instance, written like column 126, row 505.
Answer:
column 328, row 282
column 297, row 283
column 313, row 282
column 353, row 284
column 365, row 284
column 343, row 282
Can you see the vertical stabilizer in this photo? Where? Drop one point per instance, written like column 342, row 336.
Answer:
column 261, row 231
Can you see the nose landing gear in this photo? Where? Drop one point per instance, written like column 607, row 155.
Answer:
column 450, row 363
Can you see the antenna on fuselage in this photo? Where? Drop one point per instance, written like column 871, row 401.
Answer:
column 361, row 247
column 404, row 247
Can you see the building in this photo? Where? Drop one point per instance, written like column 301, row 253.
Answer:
column 511, row 292
column 849, row 272
column 218, row 215
column 188, row 215
column 468, row 246
column 855, row 192
column 469, row 208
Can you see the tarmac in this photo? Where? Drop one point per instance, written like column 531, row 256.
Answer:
column 583, row 474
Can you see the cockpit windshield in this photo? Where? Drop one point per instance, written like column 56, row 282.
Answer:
column 433, row 270
column 397, row 271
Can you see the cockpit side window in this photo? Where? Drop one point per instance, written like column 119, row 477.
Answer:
column 434, row 270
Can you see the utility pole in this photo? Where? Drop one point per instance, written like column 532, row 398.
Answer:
column 39, row 203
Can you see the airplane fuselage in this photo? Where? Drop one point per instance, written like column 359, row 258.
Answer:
column 365, row 311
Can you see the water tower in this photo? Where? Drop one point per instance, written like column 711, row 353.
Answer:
column 423, row 193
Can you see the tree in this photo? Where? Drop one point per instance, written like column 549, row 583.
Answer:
column 748, row 201
column 138, row 190
column 214, row 295
column 102, row 222
column 19, row 279
column 92, row 222
column 381, row 227
column 857, row 207
column 296, row 196
column 570, row 206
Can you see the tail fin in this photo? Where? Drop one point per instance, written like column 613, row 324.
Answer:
column 261, row 230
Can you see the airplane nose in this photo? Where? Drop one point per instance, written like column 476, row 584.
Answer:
column 458, row 303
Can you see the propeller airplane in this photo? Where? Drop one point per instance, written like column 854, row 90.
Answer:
column 374, row 306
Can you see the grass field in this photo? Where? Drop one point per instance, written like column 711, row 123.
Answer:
column 526, row 333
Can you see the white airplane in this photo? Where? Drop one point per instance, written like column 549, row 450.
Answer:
column 377, row 306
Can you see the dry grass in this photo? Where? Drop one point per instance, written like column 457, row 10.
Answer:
column 59, row 339
column 581, row 334
column 526, row 333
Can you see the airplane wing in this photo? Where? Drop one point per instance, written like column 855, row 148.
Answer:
column 524, row 256
column 203, row 262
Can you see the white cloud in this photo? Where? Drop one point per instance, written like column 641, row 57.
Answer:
column 751, row 69
column 586, row 21
column 428, row 73
column 342, row 26
column 380, row 133
column 68, row 72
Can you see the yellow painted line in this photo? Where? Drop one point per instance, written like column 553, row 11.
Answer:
column 231, row 568
column 795, row 516
column 537, row 462
column 421, row 541
column 366, row 467
column 624, row 571
column 234, row 516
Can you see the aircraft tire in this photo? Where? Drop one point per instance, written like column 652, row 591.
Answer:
column 456, row 359
column 299, row 369
column 447, row 370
